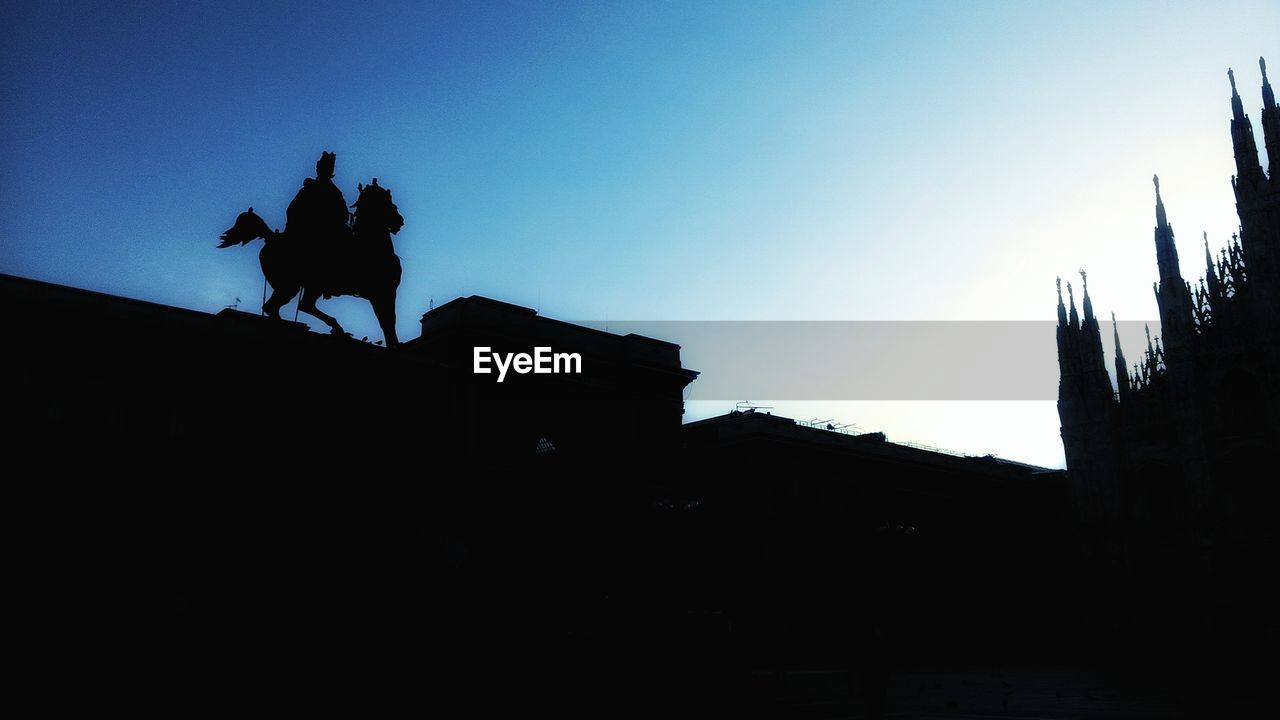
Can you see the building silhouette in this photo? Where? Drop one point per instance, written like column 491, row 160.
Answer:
column 1172, row 498
column 319, row 498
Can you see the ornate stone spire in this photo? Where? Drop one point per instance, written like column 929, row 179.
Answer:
column 1122, row 368
column 1073, row 317
column 1062, row 309
column 1270, row 125
column 1248, row 167
column 1166, row 250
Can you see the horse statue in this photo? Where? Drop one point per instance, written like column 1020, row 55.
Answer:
column 359, row 261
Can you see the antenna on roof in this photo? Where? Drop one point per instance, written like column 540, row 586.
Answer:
column 746, row 407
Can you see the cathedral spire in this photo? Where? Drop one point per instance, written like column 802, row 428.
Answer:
column 1270, row 124
column 1210, row 276
column 1062, row 309
column 1087, row 303
column 1166, row 251
column 1161, row 219
column 1122, row 368
column 1073, row 317
column 1248, row 167
column 1237, row 105
column 1090, row 334
column 1268, row 97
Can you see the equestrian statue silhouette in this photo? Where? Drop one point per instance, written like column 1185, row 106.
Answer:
column 326, row 251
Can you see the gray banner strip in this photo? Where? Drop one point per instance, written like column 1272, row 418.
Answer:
column 874, row 360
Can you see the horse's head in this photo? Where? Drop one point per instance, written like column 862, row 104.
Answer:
column 374, row 209
column 249, row 226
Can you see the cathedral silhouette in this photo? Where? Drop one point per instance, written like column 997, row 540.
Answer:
column 1170, row 499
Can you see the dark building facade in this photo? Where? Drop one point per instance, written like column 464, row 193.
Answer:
column 1170, row 468
column 826, row 537
column 253, row 490
column 230, row 499
column 139, row 377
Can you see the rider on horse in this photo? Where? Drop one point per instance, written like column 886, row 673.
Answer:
column 320, row 254
column 317, row 221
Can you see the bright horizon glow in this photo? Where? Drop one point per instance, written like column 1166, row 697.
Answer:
column 715, row 161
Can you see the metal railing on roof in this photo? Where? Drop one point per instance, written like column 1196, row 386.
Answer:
column 829, row 426
column 931, row 448
column 849, row 430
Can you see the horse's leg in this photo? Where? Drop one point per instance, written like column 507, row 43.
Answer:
column 308, row 305
column 384, row 306
column 283, row 285
column 280, row 296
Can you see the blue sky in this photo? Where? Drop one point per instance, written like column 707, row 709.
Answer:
column 713, row 161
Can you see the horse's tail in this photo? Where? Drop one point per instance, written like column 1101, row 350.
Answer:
column 249, row 227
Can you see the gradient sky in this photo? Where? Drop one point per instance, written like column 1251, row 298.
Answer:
column 714, row 161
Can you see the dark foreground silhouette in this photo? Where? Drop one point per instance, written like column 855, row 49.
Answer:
column 418, row 535
column 326, row 251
